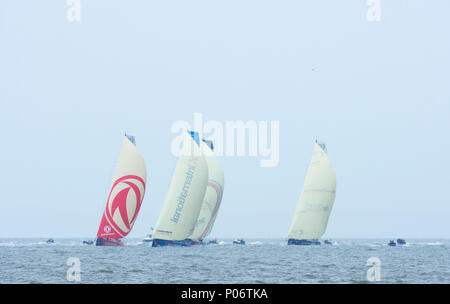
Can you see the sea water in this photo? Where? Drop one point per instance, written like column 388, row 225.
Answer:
column 259, row 261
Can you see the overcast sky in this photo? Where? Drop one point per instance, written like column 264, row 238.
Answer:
column 377, row 92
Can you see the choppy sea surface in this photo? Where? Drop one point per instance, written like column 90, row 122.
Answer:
column 259, row 261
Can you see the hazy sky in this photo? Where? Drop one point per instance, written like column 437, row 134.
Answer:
column 378, row 93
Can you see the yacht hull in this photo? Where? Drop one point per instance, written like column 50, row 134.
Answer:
column 108, row 242
column 163, row 243
column 303, row 242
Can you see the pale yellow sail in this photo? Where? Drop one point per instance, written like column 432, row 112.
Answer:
column 186, row 192
column 316, row 200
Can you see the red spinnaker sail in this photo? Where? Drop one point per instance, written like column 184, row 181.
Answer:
column 122, row 207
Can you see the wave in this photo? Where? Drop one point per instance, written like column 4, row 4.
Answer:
column 431, row 244
column 40, row 244
column 255, row 243
column 8, row 244
column 136, row 243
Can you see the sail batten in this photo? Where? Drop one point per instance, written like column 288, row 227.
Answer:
column 317, row 198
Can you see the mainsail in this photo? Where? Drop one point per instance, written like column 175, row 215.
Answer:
column 186, row 192
column 127, row 193
column 317, row 198
column 213, row 195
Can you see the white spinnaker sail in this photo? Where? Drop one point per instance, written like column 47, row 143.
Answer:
column 184, row 199
column 213, row 195
column 316, row 200
column 127, row 193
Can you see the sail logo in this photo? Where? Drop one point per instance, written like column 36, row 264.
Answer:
column 217, row 189
column 184, row 193
column 233, row 138
column 211, row 208
column 124, row 202
column 107, row 229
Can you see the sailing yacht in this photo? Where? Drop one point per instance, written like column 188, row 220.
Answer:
column 213, row 195
column 125, row 197
column 185, row 196
column 316, row 200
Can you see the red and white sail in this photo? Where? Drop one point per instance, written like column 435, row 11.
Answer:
column 126, row 195
column 212, row 198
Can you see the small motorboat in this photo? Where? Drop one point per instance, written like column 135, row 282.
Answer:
column 88, row 242
column 392, row 243
column 50, row 241
column 239, row 242
column 213, row 241
column 327, row 242
column 149, row 237
column 401, row 242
